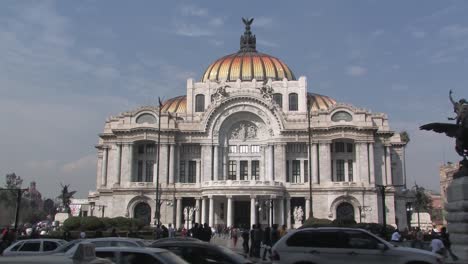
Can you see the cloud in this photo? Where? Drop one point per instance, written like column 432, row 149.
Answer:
column 418, row 34
column 399, row 87
column 196, row 22
column 267, row 43
column 454, row 31
column 356, row 71
column 377, row 33
column 83, row 163
column 192, row 10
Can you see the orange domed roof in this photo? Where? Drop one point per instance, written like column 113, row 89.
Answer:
column 320, row 102
column 247, row 64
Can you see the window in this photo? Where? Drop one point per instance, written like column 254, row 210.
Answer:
column 288, row 176
column 293, row 104
column 361, row 240
column 339, row 147
column 349, row 147
column 255, row 149
column 182, row 171
column 244, row 170
column 296, row 173
column 232, row 170
column 146, row 118
column 243, row 149
column 232, row 149
column 317, row 239
column 341, row 116
column 106, row 255
column 31, row 246
column 15, row 248
column 149, row 170
column 141, row 149
column 255, row 170
column 150, row 149
column 278, row 99
column 199, row 103
column 137, row 258
column 306, row 170
column 221, row 209
column 350, row 170
column 140, row 171
column 49, row 246
column 340, row 171
column 192, row 172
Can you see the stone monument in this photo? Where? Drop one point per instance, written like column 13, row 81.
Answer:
column 457, row 191
column 298, row 216
column 64, row 211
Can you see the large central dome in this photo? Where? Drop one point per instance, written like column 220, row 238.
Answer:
column 247, row 64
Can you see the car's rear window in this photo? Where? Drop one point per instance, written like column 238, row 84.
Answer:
column 315, row 238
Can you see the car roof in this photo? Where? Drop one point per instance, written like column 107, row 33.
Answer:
column 183, row 242
column 132, row 249
column 42, row 239
column 332, row 228
column 114, row 239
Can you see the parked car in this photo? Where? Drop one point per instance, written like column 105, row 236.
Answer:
column 344, row 245
column 106, row 242
column 199, row 252
column 133, row 255
column 33, row 247
column 85, row 254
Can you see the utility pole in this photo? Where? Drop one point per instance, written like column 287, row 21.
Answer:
column 311, row 213
column 382, row 189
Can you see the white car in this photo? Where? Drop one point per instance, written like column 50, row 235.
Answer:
column 85, row 254
column 33, row 247
column 344, row 245
column 132, row 255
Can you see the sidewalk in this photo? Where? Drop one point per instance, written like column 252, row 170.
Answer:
column 226, row 242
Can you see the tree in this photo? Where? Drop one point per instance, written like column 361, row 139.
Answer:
column 423, row 201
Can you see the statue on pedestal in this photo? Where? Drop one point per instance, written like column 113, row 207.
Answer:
column 298, row 216
column 65, row 196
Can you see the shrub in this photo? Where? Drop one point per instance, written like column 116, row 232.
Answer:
column 72, row 223
column 317, row 222
column 91, row 223
column 108, row 222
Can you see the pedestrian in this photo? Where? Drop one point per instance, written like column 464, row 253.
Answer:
column 158, row 232
column 245, row 240
column 194, row 231
column 183, row 232
column 234, row 236
column 283, row 231
column 437, row 246
column 252, row 241
column 207, row 233
column 275, row 236
column 396, row 237
column 165, row 231
column 171, row 231
column 445, row 237
column 114, row 233
column 258, row 236
column 418, row 238
column 82, row 234
column 266, row 242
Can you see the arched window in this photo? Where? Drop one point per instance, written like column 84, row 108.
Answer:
column 341, row 116
column 293, row 104
column 146, row 118
column 278, row 98
column 199, row 103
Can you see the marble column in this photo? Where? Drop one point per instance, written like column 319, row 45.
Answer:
column 315, row 166
column 215, row 163
column 388, row 165
column 307, row 208
column 172, row 163
column 211, row 212
column 371, row 163
column 118, row 164
column 198, row 210
column 197, row 172
column 130, row 163
column 206, row 162
column 105, row 153
column 203, row 211
column 271, row 168
column 179, row 213
column 229, row 222
column 325, row 162
column 280, row 203
column 302, row 168
column 253, row 211
column 357, row 162
column 225, row 163
column 288, row 212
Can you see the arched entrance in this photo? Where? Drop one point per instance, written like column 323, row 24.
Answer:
column 142, row 211
column 345, row 212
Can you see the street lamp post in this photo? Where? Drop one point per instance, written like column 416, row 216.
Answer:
column 409, row 213
column 311, row 213
column 382, row 189
column 157, row 214
column 268, row 203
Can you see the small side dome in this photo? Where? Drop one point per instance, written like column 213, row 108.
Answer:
column 320, row 102
column 175, row 105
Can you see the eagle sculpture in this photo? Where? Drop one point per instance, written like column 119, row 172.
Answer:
column 459, row 131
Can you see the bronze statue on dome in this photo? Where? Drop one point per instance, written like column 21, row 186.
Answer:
column 66, row 196
column 459, row 131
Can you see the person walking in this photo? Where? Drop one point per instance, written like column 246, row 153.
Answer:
column 275, row 236
column 283, row 231
column 252, row 241
column 445, row 237
column 418, row 238
column 234, row 236
column 266, row 242
column 258, row 236
column 114, row 233
column 245, row 240
column 171, row 231
column 437, row 246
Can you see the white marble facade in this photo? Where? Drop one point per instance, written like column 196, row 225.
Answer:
column 239, row 155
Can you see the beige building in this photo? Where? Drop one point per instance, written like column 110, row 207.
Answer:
column 234, row 151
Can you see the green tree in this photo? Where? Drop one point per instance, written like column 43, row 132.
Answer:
column 423, row 201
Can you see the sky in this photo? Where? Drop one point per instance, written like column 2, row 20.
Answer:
column 66, row 66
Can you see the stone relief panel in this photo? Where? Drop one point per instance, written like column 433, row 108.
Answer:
column 243, row 130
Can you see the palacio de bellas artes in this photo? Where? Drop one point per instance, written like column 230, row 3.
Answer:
column 248, row 143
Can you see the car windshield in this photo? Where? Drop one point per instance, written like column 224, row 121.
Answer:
column 170, row 257
column 64, row 248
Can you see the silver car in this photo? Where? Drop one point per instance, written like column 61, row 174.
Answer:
column 33, row 247
column 132, row 255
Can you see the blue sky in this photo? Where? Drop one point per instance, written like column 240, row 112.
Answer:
column 65, row 66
